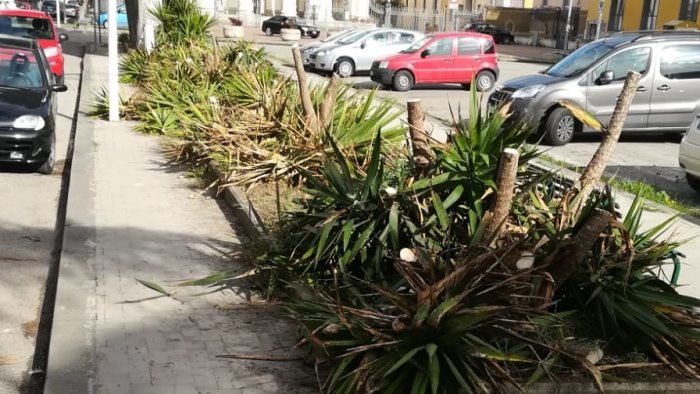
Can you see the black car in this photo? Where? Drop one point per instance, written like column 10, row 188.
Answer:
column 275, row 25
column 499, row 35
column 27, row 104
column 49, row 6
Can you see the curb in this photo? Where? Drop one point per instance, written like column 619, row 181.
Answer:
column 245, row 212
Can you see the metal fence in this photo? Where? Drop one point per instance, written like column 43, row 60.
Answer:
column 425, row 20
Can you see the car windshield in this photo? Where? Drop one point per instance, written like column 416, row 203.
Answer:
column 19, row 69
column 417, row 45
column 352, row 38
column 27, row 27
column 579, row 60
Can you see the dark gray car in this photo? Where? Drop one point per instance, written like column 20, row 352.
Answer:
column 592, row 77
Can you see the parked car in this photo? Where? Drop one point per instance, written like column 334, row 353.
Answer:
column 357, row 52
column 49, row 7
column 454, row 57
column 499, row 35
column 122, row 21
column 25, row 5
column 689, row 154
column 308, row 49
column 37, row 25
column 28, row 102
column 72, row 10
column 592, row 77
column 275, row 25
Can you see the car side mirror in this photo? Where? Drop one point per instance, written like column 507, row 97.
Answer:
column 606, row 77
column 58, row 88
column 425, row 53
column 62, row 37
column 363, row 44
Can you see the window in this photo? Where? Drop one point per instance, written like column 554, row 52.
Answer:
column 681, row 62
column 617, row 8
column 19, row 69
column 649, row 13
column 401, row 38
column 489, row 47
column 442, row 47
column 377, row 39
column 27, row 27
column 468, row 46
column 689, row 10
column 633, row 60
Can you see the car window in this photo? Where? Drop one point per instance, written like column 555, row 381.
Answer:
column 681, row 62
column 378, row 39
column 441, row 47
column 468, row 46
column 636, row 59
column 19, row 69
column 489, row 47
column 401, row 38
column 26, row 27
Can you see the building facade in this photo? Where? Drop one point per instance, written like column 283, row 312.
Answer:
column 626, row 15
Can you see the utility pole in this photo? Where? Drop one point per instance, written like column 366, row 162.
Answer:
column 113, row 61
column 568, row 27
column 58, row 13
column 601, row 5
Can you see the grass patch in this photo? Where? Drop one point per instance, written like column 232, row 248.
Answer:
column 645, row 190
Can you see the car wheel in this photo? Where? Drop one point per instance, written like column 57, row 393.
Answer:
column 507, row 40
column 485, row 81
column 314, row 35
column 560, row 127
column 47, row 166
column 344, row 67
column 403, row 81
column 693, row 182
column 105, row 24
column 268, row 31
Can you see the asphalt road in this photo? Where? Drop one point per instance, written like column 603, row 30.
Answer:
column 30, row 203
column 651, row 158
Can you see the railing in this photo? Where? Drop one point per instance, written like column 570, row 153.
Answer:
column 419, row 19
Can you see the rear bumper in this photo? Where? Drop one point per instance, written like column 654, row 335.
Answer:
column 689, row 152
column 383, row 76
column 33, row 146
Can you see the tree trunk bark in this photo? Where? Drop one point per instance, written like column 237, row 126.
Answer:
column 566, row 260
column 308, row 106
column 596, row 166
column 505, row 183
column 326, row 110
column 420, row 146
column 134, row 15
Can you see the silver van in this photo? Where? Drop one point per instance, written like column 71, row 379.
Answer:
column 667, row 98
column 357, row 52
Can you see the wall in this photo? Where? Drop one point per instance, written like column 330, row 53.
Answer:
column 668, row 11
column 632, row 14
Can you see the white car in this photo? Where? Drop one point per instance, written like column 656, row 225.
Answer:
column 308, row 49
column 357, row 52
column 689, row 154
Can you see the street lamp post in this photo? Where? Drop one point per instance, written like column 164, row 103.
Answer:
column 568, row 27
column 113, row 61
column 601, row 4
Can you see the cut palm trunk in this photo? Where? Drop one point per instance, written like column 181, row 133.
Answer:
column 505, row 183
column 596, row 166
column 419, row 139
column 308, row 106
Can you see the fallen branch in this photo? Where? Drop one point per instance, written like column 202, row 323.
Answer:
column 308, row 106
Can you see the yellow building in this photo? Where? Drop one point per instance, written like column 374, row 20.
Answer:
column 626, row 15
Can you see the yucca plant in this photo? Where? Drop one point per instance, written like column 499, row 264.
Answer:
column 132, row 67
column 181, row 21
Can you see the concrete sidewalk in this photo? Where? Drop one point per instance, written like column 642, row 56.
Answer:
column 131, row 217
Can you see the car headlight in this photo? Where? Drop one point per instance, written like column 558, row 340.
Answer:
column 307, row 50
column 528, row 92
column 51, row 51
column 29, row 122
column 384, row 64
column 321, row 53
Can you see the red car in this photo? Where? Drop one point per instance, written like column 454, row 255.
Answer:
column 452, row 57
column 40, row 26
